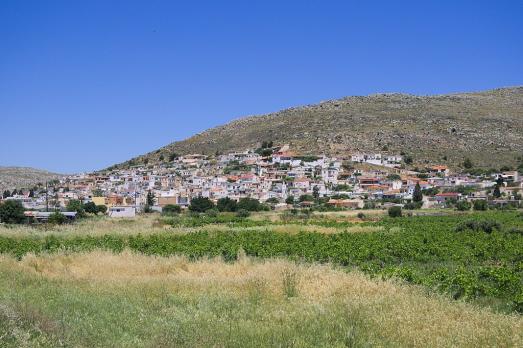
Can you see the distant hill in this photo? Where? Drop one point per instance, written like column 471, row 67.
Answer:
column 23, row 177
column 485, row 126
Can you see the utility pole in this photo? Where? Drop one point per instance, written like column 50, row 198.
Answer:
column 46, row 197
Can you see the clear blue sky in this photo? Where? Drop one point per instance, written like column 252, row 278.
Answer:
column 86, row 84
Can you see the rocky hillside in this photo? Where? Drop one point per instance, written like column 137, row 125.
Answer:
column 22, row 177
column 485, row 126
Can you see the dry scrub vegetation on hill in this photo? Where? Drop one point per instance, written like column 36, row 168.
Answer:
column 22, row 177
column 485, row 126
column 101, row 299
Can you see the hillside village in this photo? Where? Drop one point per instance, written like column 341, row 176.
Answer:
column 279, row 178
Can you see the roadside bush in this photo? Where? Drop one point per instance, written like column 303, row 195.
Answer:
column 242, row 213
column 463, row 206
column 171, row 209
column 12, row 212
column 395, row 211
column 361, row 216
column 480, row 204
column 57, row 218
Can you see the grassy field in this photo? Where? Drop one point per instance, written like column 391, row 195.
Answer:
column 328, row 280
column 103, row 299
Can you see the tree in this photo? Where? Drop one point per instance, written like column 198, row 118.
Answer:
column 463, row 205
column 91, row 208
column 395, row 211
column 201, row 204
column 249, row 204
column 101, row 209
column 7, row 193
column 480, row 204
column 393, row 177
column 57, row 218
column 173, row 156
column 417, row 196
column 467, row 163
column 12, row 212
column 272, row 200
column 226, row 204
column 149, row 202
column 77, row 206
column 266, row 152
column 289, row 200
column 150, row 199
column 497, row 192
column 171, row 209
column 304, row 198
column 316, row 192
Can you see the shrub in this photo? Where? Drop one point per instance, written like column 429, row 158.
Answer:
column 171, row 209
column 91, row 208
column 290, row 283
column 413, row 205
column 57, row 218
column 201, row 204
column 77, row 206
column 361, row 216
column 486, row 226
column 395, row 211
column 249, row 204
column 212, row 213
column 480, row 204
column 242, row 213
column 272, row 200
column 102, row 209
column 369, row 205
column 226, row 204
column 463, row 205
column 516, row 230
column 12, row 212
column 306, row 198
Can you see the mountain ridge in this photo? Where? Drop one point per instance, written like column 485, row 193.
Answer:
column 483, row 126
column 12, row 177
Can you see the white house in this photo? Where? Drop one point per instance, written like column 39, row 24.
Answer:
column 122, row 211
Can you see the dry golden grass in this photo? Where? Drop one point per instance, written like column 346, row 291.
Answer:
column 406, row 315
column 96, row 226
column 150, row 224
